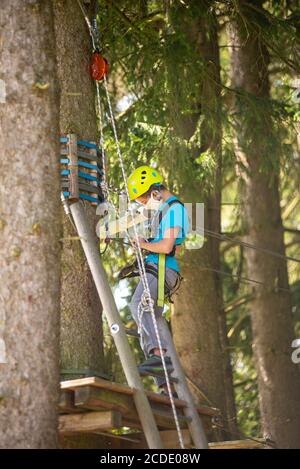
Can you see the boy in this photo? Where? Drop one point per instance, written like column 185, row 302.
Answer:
column 145, row 186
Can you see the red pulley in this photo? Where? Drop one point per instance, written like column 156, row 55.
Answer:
column 98, row 66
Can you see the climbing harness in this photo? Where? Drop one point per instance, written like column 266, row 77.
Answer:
column 155, row 227
column 132, row 270
column 163, row 289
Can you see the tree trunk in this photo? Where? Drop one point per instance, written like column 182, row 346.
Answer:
column 198, row 312
column 258, row 165
column 29, row 227
column 81, row 324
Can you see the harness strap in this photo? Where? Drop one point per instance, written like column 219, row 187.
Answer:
column 161, row 280
column 159, row 219
column 162, row 258
column 132, row 270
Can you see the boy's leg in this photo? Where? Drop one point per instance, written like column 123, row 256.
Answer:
column 134, row 308
column 149, row 340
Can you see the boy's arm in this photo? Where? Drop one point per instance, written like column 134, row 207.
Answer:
column 164, row 246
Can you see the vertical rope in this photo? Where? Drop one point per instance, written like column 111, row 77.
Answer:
column 102, row 142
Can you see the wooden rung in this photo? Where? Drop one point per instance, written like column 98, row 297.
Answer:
column 89, row 188
column 73, row 166
column 82, row 154
column 89, row 422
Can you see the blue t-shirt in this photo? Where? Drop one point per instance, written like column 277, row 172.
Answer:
column 176, row 216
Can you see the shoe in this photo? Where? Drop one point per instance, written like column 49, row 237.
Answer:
column 146, row 372
column 165, row 393
column 154, row 364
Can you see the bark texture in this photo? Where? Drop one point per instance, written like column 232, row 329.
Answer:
column 29, row 226
column 81, row 324
column 278, row 377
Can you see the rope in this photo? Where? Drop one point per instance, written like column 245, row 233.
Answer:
column 223, row 426
column 221, row 236
column 244, row 279
column 267, row 443
column 89, row 25
column 222, row 272
column 146, row 300
column 104, row 184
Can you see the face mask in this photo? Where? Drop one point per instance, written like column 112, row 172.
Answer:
column 139, row 204
column 153, row 204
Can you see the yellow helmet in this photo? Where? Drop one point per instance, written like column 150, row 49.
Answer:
column 141, row 180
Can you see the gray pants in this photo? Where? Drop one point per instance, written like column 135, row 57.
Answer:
column 148, row 338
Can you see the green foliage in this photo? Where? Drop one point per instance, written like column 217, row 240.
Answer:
column 157, row 57
column 246, row 394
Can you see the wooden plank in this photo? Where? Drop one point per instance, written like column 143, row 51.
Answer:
column 123, row 389
column 89, row 422
column 237, row 444
column 92, row 398
column 97, row 382
column 164, row 421
column 73, row 166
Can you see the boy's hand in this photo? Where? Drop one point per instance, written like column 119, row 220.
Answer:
column 142, row 242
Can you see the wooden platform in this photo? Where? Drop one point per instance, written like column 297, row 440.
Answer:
column 97, row 406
